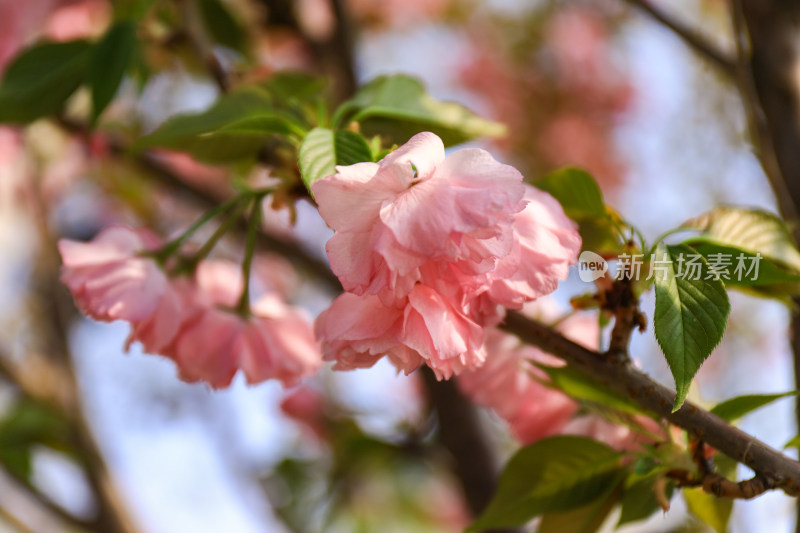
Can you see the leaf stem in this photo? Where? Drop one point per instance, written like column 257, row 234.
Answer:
column 666, row 234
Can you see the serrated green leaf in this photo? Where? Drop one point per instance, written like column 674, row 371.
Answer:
column 690, row 314
column 235, row 127
column 751, row 230
column 553, row 475
column 735, row 408
column 40, row 80
column 583, row 388
column 323, row 149
column 109, row 59
column 221, row 24
column 716, row 512
column 586, row 519
column 398, row 107
column 576, row 191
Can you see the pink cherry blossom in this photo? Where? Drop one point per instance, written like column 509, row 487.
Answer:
column 357, row 330
column 157, row 332
column 429, row 250
column 193, row 320
column 546, row 244
column 356, row 342
column 514, row 388
column 276, row 341
column 109, row 278
column 508, row 383
column 413, row 207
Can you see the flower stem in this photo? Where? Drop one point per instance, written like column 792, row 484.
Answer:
column 232, row 218
column 243, row 306
column 166, row 251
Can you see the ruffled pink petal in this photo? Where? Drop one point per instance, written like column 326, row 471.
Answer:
column 158, row 331
column 115, row 243
column 446, row 339
column 507, row 383
column 218, row 282
column 205, row 348
column 290, row 350
column 350, row 199
column 424, row 150
column 109, row 279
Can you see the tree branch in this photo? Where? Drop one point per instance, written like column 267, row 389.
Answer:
column 473, row 459
column 695, row 41
column 771, row 96
column 775, row 469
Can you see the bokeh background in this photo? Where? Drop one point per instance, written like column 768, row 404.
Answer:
column 598, row 84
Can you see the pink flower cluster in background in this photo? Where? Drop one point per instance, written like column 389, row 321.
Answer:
column 190, row 320
column 511, row 385
column 430, row 250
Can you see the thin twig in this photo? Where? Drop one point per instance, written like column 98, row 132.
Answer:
column 697, row 42
column 14, row 521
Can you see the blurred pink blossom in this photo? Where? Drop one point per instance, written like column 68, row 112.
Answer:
column 213, row 342
column 514, row 388
column 397, row 12
column 305, row 405
column 109, row 278
column 192, row 321
column 510, row 385
column 78, row 19
column 618, row 436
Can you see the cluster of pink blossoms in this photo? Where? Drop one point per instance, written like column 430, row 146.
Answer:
column 189, row 320
column 430, row 250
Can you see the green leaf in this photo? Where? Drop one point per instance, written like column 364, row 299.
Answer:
column 747, row 272
column 41, row 79
column 768, row 273
column 690, row 314
column 290, row 88
column 586, row 519
column 751, row 230
column 576, row 191
column 582, row 200
column 109, row 59
column 581, row 387
column 716, row 512
column 235, row 127
column 794, row 442
column 553, row 475
column 222, row 26
column 736, row 408
column 258, row 125
column 639, row 501
column 323, row 149
column 398, row 107
column 26, row 425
